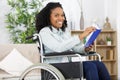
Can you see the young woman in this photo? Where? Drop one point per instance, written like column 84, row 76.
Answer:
column 51, row 24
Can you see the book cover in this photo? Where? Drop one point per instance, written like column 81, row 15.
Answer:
column 91, row 38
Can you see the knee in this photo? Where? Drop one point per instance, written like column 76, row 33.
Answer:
column 89, row 66
column 99, row 64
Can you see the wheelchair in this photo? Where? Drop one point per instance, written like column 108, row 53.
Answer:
column 58, row 71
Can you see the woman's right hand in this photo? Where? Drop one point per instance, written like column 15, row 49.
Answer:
column 86, row 32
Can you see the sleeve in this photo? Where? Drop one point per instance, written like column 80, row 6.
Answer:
column 50, row 41
column 79, row 48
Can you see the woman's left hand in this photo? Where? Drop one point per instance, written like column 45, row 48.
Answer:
column 87, row 49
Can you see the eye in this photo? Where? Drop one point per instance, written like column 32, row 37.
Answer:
column 62, row 15
column 56, row 15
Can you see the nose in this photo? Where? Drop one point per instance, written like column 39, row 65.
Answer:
column 61, row 18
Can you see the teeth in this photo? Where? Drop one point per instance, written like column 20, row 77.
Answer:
column 60, row 22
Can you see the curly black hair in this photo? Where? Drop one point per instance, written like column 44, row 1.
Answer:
column 43, row 17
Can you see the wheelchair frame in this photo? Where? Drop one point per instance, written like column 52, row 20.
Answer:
column 54, row 71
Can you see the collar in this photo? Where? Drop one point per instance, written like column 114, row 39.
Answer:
column 57, row 31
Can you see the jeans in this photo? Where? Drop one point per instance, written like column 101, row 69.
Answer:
column 95, row 70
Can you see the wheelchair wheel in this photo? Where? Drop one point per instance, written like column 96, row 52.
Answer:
column 46, row 71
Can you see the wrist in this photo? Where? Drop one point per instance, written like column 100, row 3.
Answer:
column 81, row 37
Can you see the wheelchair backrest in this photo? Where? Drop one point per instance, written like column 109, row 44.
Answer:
column 40, row 46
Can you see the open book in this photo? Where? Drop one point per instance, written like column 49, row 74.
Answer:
column 91, row 38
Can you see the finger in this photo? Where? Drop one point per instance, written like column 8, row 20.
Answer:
column 93, row 28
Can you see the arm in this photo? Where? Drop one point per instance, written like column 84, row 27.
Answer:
column 80, row 47
column 52, row 41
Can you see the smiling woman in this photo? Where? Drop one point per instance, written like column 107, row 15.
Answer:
column 52, row 26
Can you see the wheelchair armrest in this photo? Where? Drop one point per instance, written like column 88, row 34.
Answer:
column 61, row 53
column 91, row 53
column 69, row 53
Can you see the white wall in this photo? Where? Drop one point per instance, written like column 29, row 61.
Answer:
column 4, row 9
column 118, row 36
column 92, row 9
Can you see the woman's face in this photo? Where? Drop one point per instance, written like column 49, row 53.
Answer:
column 57, row 17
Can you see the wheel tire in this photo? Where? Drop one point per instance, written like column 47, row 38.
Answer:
column 47, row 67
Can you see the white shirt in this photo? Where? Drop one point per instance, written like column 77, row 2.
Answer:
column 58, row 41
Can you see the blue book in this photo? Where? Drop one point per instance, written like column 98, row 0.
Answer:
column 91, row 38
